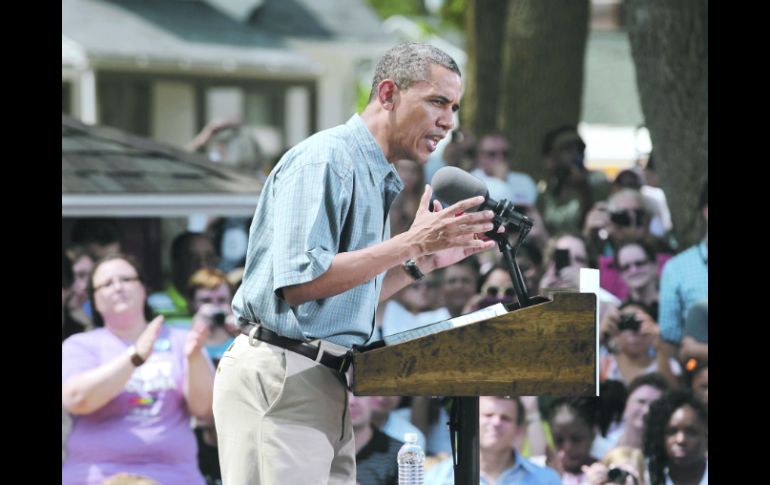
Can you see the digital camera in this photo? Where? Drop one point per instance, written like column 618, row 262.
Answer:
column 628, row 321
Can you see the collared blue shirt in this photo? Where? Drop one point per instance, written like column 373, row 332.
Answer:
column 522, row 472
column 684, row 282
column 329, row 194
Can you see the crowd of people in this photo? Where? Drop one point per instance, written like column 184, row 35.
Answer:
column 138, row 363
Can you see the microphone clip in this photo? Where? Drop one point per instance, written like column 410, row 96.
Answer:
column 506, row 215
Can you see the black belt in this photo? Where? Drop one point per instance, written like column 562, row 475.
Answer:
column 337, row 363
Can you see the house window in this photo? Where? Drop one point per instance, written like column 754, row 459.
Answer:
column 125, row 103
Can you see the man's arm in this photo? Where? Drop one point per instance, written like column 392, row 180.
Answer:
column 431, row 232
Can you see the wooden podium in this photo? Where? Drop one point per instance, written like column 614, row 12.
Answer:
column 546, row 348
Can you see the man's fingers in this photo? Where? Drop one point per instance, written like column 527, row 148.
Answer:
column 425, row 200
column 474, row 217
column 479, row 247
column 466, row 204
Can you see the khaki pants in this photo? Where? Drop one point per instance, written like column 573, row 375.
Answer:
column 281, row 419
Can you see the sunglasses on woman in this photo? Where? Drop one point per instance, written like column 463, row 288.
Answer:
column 494, row 290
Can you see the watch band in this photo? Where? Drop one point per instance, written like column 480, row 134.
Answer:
column 411, row 268
column 136, row 359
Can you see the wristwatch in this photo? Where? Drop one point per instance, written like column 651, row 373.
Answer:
column 136, row 359
column 411, row 267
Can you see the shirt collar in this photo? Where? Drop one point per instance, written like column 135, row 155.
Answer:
column 519, row 462
column 378, row 165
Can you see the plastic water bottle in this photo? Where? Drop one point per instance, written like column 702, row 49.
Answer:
column 411, row 461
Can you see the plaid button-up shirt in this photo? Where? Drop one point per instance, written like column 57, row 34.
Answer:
column 329, row 194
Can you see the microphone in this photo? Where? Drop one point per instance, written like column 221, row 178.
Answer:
column 451, row 185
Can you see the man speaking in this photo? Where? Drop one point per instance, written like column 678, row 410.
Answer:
column 320, row 259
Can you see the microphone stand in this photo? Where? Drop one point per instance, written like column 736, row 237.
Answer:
column 515, row 221
column 509, row 254
column 464, row 411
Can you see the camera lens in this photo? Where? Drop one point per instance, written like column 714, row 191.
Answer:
column 218, row 318
column 616, row 475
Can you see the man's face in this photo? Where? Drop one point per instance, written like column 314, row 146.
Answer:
column 493, row 155
column 497, row 424
column 422, row 114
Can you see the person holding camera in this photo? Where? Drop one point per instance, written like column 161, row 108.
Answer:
column 632, row 339
column 209, row 296
column 566, row 254
column 624, row 216
column 622, row 465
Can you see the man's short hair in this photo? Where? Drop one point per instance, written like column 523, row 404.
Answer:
column 409, row 63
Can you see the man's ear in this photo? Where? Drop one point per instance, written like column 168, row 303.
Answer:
column 387, row 94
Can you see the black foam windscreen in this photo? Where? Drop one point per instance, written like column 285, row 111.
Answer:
column 451, row 185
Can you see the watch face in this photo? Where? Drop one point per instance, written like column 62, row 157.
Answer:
column 413, row 270
column 136, row 359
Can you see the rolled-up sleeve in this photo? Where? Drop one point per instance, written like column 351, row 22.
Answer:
column 311, row 201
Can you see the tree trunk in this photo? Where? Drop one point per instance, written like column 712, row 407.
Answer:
column 525, row 71
column 669, row 44
column 486, row 31
column 542, row 74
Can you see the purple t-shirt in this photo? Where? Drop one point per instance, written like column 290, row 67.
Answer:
column 145, row 429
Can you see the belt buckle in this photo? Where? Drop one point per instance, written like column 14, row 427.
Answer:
column 345, row 358
column 326, row 347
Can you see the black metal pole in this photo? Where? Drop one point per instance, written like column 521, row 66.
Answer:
column 467, row 471
column 513, row 268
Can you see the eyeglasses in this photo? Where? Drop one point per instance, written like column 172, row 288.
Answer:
column 494, row 290
column 110, row 283
column 637, row 264
column 629, row 217
column 494, row 153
